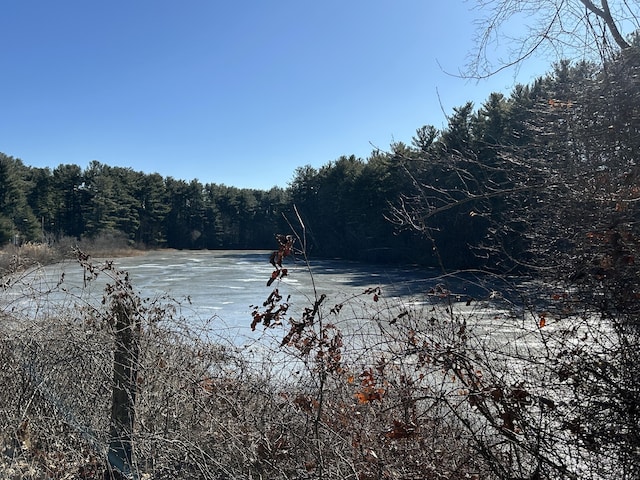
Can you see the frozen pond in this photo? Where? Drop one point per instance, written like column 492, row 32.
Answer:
column 219, row 287
column 210, row 284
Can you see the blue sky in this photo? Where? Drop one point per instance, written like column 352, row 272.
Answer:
column 237, row 93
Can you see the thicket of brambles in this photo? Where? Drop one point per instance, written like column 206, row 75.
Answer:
column 534, row 380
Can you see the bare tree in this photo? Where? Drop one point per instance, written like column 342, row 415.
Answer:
column 564, row 28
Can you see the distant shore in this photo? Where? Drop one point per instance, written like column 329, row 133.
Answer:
column 16, row 258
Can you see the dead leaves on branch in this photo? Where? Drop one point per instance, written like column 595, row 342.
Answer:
column 277, row 274
column 377, row 406
column 274, row 311
column 401, row 430
column 285, row 248
column 431, row 377
column 370, row 390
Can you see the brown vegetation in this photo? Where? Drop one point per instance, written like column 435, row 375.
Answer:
column 15, row 258
column 444, row 390
column 204, row 408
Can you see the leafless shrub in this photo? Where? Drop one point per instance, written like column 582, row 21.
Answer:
column 361, row 387
column 16, row 258
column 354, row 407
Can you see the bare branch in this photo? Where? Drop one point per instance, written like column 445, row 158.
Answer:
column 563, row 27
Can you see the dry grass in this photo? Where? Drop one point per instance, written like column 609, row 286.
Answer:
column 405, row 394
column 14, row 258
column 28, row 255
column 207, row 409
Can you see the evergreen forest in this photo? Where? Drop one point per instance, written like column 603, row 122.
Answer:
column 470, row 195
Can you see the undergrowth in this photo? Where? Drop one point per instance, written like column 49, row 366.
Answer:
column 395, row 391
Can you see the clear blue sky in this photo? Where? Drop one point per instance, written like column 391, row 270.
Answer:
column 237, row 93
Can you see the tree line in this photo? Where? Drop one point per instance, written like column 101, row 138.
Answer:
column 440, row 200
column 42, row 204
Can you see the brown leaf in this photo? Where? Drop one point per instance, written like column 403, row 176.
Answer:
column 400, row 430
